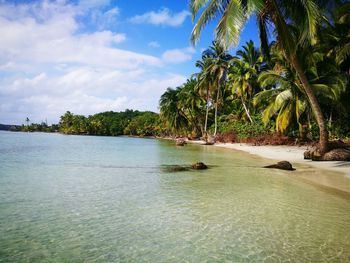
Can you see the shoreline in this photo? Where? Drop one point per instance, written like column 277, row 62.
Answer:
column 334, row 175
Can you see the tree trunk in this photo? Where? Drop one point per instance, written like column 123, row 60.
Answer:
column 206, row 117
column 316, row 109
column 216, row 111
column 289, row 46
column 246, row 110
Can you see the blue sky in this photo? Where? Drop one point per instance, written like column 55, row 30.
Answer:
column 94, row 55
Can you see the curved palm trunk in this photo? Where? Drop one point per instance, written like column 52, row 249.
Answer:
column 246, row 110
column 314, row 105
column 287, row 40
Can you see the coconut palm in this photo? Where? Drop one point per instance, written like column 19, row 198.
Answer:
column 285, row 102
column 218, row 71
column 284, row 93
column 213, row 75
column 280, row 13
column 204, row 86
column 239, row 77
column 192, row 104
column 334, row 36
column 244, row 70
column 170, row 110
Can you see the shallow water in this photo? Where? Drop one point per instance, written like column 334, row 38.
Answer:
column 108, row 199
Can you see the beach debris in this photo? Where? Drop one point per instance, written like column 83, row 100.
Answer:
column 199, row 166
column 283, row 165
column 180, row 142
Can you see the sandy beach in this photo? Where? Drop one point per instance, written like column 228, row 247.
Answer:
column 293, row 154
column 335, row 174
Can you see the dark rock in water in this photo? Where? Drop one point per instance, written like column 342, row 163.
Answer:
column 199, row 166
column 283, row 165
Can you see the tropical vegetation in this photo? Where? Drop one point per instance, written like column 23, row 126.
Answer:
column 296, row 84
column 128, row 122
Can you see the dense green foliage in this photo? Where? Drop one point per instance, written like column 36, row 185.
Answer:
column 292, row 86
column 39, row 127
column 111, row 123
column 128, row 122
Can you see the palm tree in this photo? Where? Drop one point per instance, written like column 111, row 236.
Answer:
column 214, row 65
column 244, row 70
column 335, row 35
column 281, row 13
column 284, row 93
column 239, row 77
column 204, row 86
column 285, row 101
column 192, row 105
column 171, row 111
column 218, row 71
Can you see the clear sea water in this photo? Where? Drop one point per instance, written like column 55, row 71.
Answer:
column 110, row 199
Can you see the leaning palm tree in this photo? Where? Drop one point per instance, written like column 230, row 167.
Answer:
column 192, row 105
column 243, row 73
column 217, row 69
column 284, row 94
column 171, row 111
column 204, row 86
column 280, row 13
column 240, row 76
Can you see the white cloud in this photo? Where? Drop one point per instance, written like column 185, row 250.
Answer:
column 82, row 91
column 161, row 17
column 105, row 19
column 154, row 44
column 49, row 67
column 178, row 55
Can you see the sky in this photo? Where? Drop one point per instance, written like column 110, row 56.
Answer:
column 91, row 56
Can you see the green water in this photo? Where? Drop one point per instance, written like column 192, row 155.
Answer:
column 108, row 199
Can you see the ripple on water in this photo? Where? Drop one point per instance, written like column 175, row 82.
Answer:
column 93, row 199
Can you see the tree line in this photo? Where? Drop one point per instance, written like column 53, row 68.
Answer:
column 296, row 85
column 128, row 122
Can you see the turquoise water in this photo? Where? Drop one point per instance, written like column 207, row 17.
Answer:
column 109, row 199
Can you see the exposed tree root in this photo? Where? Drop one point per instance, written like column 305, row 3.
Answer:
column 337, row 151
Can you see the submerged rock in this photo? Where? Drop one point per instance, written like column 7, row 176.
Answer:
column 199, row 166
column 283, row 165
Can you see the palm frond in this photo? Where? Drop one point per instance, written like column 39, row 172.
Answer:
column 231, row 23
column 208, row 14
